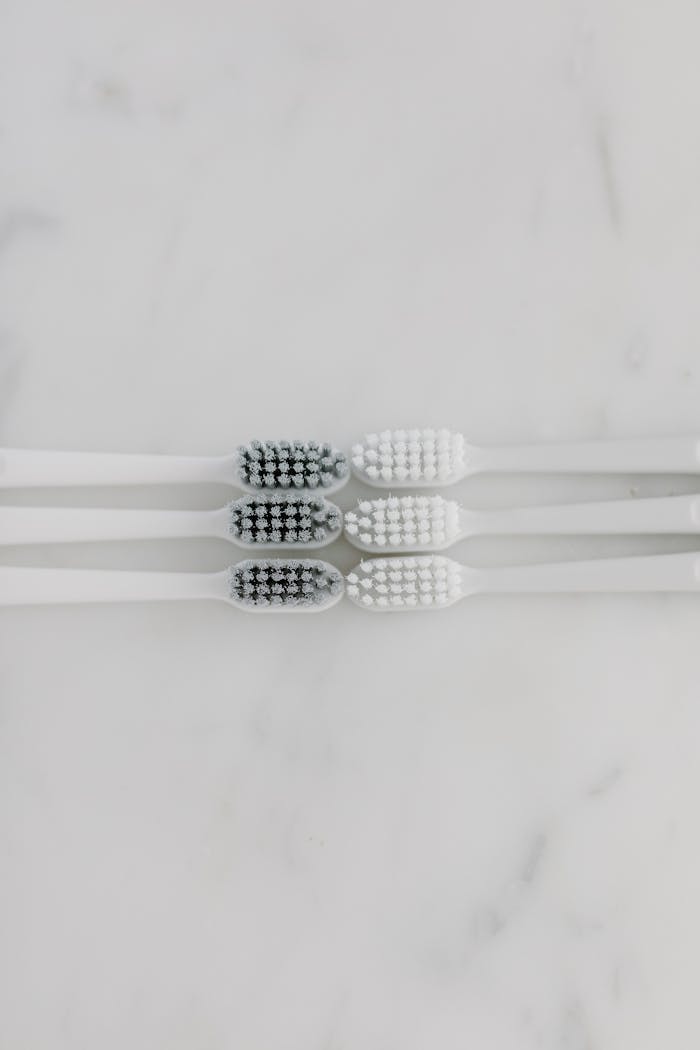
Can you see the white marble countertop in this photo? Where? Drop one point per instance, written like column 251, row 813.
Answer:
column 473, row 829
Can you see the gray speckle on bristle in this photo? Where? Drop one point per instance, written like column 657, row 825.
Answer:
column 290, row 464
column 287, row 518
column 283, row 581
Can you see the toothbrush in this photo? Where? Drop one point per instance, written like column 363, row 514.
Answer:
column 435, row 582
column 265, row 585
column 259, row 465
column 283, row 520
column 432, row 523
column 424, row 458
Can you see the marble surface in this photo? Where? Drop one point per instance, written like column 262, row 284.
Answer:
column 478, row 828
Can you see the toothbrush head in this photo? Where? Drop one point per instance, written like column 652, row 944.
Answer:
column 284, row 585
column 406, row 523
column 285, row 520
column 410, row 458
column 281, row 465
column 404, row 584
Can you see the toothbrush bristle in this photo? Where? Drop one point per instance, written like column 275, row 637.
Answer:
column 262, row 583
column 405, row 457
column 288, row 519
column 408, row 522
column 290, row 464
column 406, row 583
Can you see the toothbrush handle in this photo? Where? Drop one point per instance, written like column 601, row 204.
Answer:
column 641, row 456
column 661, row 572
column 51, row 586
column 20, row 525
column 27, row 468
column 674, row 514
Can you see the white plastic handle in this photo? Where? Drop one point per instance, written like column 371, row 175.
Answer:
column 671, row 515
column 31, row 468
column 19, row 586
column 659, row 572
column 20, row 525
column 641, row 456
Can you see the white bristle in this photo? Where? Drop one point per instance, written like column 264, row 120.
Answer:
column 410, row 523
column 414, row 457
column 427, row 582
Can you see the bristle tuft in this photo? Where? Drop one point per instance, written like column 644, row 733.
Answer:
column 427, row 582
column 265, row 583
column 290, row 465
column 286, row 519
column 407, row 457
column 404, row 523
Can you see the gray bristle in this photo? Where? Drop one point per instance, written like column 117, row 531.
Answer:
column 283, row 519
column 290, row 464
column 283, row 581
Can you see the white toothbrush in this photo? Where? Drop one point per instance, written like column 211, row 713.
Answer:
column 284, row 520
column 432, row 523
column 435, row 582
column 260, row 465
column 263, row 585
column 417, row 458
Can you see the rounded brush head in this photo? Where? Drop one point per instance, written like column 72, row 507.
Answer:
column 405, row 523
column 284, row 520
column 403, row 584
column 284, row 585
column 410, row 458
column 280, row 465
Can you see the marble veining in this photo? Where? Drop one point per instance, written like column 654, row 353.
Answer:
column 477, row 828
